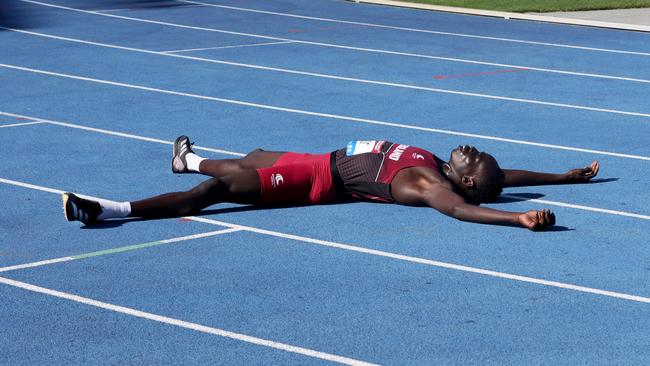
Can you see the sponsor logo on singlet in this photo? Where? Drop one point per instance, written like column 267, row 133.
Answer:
column 397, row 153
column 362, row 147
column 276, row 180
column 417, row 156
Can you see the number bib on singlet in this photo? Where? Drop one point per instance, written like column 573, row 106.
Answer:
column 362, row 147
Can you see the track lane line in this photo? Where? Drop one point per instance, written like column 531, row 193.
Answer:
column 385, row 254
column 227, row 152
column 429, row 262
column 578, row 207
column 21, row 124
column 185, row 324
column 121, row 134
column 324, row 115
column 121, row 249
column 335, row 77
column 331, row 45
column 373, row 25
column 220, row 47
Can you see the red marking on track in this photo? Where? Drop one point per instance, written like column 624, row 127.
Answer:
column 496, row 72
column 22, row 119
column 330, row 28
column 184, row 220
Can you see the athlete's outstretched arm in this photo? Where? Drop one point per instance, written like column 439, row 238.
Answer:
column 519, row 178
column 424, row 193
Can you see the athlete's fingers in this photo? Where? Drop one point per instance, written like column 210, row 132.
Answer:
column 594, row 168
column 590, row 170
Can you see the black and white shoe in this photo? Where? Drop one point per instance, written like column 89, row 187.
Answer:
column 182, row 147
column 80, row 209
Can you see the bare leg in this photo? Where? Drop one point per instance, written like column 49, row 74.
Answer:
column 240, row 187
column 254, row 160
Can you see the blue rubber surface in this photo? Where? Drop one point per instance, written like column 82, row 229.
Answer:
column 326, row 83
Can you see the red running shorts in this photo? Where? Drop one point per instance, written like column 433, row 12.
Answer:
column 298, row 179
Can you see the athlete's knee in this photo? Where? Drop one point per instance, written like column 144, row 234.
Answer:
column 248, row 161
column 242, row 187
column 206, row 189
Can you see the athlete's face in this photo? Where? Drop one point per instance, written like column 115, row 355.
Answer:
column 467, row 165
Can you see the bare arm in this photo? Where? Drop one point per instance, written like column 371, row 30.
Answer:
column 519, row 178
column 437, row 196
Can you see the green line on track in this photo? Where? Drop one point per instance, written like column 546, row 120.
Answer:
column 118, row 250
column 152, row 244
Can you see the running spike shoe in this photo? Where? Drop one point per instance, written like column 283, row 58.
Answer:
column 182, row 147
column 76, row 208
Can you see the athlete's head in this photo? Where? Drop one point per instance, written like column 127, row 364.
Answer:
column 476, row 174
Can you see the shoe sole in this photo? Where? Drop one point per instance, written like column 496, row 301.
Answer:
column 177, row 161
column 66, row 199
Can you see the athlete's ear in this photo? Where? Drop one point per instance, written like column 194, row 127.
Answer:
column 468, row 181
column 446, row 169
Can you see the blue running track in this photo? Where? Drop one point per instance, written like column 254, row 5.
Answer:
column 93, row 96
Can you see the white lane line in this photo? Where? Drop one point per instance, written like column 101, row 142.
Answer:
column 145, row 8
column 385, row 254
column 117, row 250
column 361, row 49
column 185, row 324
column 349, row 119
column 429, row 262
column 22, row 124
column 579, row 207
column 420, row 30
column 136, row 137
column 121, row 134
column 35, row 264
column 334, row 77
column 225, row 47
column 30, row 186
column 338, row 117
column 306, row 73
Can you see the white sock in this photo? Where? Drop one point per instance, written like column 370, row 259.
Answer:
column 113, row 210
column 193, row 162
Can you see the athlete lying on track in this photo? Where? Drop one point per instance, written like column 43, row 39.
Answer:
column 366, row 170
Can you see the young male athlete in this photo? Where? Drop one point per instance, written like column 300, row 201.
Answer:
column 366, row 170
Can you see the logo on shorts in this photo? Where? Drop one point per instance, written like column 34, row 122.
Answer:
column 276, row 180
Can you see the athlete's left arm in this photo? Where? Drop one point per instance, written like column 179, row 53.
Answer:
column 422, row 192
column 519, row 178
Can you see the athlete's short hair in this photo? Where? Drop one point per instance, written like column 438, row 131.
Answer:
column 489, row 189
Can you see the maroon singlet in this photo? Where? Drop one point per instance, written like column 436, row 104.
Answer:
column 367, row 168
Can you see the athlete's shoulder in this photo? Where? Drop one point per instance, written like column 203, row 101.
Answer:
column 421, row 175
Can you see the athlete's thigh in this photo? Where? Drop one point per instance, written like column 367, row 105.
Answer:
column 260, row 159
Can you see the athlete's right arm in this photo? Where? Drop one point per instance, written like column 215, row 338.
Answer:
column 437, row 196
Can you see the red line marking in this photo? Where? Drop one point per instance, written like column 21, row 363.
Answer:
column 184, row 220
column 496, row 72
column 329, row 28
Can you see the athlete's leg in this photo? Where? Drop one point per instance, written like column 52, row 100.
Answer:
column 184, row 160
column 241, row 187
column 254, row 160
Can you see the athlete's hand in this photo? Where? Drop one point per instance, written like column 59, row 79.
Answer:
column 582, row 175
column 536, row 220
